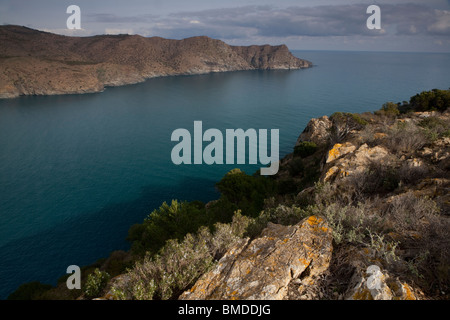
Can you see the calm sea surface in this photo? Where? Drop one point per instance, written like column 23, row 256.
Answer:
column 77, row 171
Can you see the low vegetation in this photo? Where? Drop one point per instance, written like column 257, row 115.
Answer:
column 179, row 264
column 305, row 149
column 96, row 283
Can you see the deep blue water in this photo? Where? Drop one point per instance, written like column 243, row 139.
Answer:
column 77, row 171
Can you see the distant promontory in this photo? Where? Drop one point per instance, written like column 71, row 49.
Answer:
column 34, row 62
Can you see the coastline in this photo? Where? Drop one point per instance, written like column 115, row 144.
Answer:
column 41, row 63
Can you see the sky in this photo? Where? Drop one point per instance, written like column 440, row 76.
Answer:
column 406, row 25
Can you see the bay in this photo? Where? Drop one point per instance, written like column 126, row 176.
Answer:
column 76, row 171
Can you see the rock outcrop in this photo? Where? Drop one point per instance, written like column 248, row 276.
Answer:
column 40, row 63
column 339, row 150
column 265, row 267
column 344, row 161
column 317, row 131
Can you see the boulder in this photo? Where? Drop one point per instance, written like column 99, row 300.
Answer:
column 346, row 162
column 317, row 131
column 339, row 150
column 262, row 269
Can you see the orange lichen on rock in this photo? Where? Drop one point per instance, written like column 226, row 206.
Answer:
column 313, row 220
column 339, row 150
column 408, row 293
column 266, row 266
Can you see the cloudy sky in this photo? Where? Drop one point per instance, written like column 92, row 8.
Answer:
column 407, row 25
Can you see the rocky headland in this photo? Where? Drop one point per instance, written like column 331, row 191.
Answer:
column 34, row 62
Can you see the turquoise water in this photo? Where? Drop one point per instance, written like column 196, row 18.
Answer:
column 76, row 171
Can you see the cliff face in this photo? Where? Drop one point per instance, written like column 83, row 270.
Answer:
column 40, row 63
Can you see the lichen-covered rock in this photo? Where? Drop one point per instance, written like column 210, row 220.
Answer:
column 346, row 162
column 317, row 131
column 331, row 173
column 263, row 268
column 340, row 150
column 364, row 154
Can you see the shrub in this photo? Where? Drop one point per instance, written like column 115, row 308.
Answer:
column 406, row 137
column 96, row 283
column 172, row 221
column 377, row 178
column 434, row 100
column 305, row 149
column 179, row 264
column 410, row 212
column 388, row 109
column 225, row 235
column 117, row 263
column 349, row 118
column 367, row 135
column 285, row 215
column 222, row 210
column 434, row 128
column 168, row 273
column 383, row 249
column 29, row 291
column 296, row 166
column 343, row 123
column 287, row 186
column 409, row 174
column 246, row 192
column 350, row 223
column 425, row 236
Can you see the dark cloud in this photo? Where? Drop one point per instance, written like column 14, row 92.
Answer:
column 319, row 21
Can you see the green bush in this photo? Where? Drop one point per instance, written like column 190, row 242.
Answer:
column 296, row 167
column 29, row 291
column 347, row 117
column 172, row 221
column 305, row 149
column 434, row 100
column 343, row 124
column 179, row 264
column 117, row 263
column 287, row 186
column 246, row 192
column 350, row 221
column 434, row 128
column 96, row 283
column 239, row 191
column 388, row 109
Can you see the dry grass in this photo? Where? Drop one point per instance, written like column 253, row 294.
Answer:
column 405, row 137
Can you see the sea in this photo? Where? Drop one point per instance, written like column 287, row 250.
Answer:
column 76, row 171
